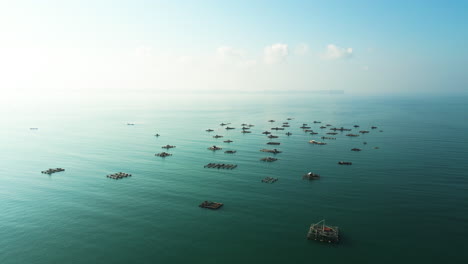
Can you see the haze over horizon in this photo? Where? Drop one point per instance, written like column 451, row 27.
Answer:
column 243, row 46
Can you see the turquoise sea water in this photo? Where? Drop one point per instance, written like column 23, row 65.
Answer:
column 405, row 202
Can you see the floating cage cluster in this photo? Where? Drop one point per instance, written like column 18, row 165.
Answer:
column 220, row 166
column 269, row 159
column 118, row 175
column 50, row 171
column 323, row 233
column 211, row 205
column 270, row 180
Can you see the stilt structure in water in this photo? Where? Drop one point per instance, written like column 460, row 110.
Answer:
column 323, row 233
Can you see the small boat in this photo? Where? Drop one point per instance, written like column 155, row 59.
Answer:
column 163, row 154
column 322, row 127
column 33, row 128
column 356, row 126
column 157, row 135
column 345, row 163
column 217, row 136
column 266, row 132
column 130, row 124
column 288, row 133
column 275, row 151
column 228, row 128
column 271, row 121
column 230, row 151
column 209, row 130
column 272, row 136
column 352, row 135
column 228, row 141
column 373, row 127
column 311, row 176
column 364, row 131
column 305, row 127
column 323, row 233
column 214, row 148
column 168, row 146
column 317, row 122
column 273, row 143
column 355, row 149
column 246, row 131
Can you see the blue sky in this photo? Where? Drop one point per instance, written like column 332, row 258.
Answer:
column 356, row 46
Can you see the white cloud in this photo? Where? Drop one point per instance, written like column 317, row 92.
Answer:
column 229, row 54
column 334, row 52
column 143, row 51
column 302, row 49
column 275, row 53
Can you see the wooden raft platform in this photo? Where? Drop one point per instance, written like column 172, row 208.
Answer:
column 220, row 166
column 323, row 233
column 118, row 175
column 270, row 180
column 269, row 159
column 50, row 171
column 211, row 205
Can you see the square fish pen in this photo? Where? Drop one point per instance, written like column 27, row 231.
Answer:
column 321, row 232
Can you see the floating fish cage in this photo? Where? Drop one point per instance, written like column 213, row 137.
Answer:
column 323, row 233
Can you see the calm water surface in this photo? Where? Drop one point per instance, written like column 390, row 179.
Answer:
column 405, row 202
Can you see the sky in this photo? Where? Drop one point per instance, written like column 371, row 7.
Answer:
column 360, row 47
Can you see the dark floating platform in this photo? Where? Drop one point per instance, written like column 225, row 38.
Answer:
column 273, row 143
column 168, row 146
column 163, row 154
column 340, row 129
column 323, row 233
column 51, row 171
column 345, row 163
column 230, row 151
column 270, row 180
column 275, row 151
column 118, row 175
column 269, row 159
column 211, row 205
column 220, row 166
column 311, row 176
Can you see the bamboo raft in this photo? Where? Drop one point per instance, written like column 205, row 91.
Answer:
column 168, row 147
column 313, row 133
column 322, row 127
column 51, row 171
column 275, row 151
column 273, row 143
column 285, row 125
column 163, row 154
column 229, row 128
column 332, row 133
column 305, row 127
column 118, row 175
column 269, row 159
column 217, row 136
column 246, row 131
column 277, row 128
column 269, row 180
column 323, row 233
column 310, row 176
column 220, row 166
column 211, row 205
column 272, row 136
column 227, row 141
column 209, row 130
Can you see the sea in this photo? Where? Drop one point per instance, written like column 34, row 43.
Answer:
column 404, row 199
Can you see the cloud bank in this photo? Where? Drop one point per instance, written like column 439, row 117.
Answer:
column 334, row 52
